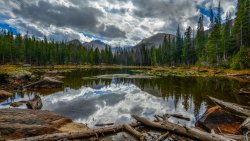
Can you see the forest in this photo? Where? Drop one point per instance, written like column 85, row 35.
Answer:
column 225, row 45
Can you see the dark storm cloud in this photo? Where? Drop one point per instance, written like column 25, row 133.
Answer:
column 172, row 12
column 161, row 9
column 108, row 20
column 112, row 31
column 31, row 30
column 83, row 18
column 47, row 13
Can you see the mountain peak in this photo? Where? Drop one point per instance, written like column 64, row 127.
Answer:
column 74, row 42
column 155, row 40
column 95, row 44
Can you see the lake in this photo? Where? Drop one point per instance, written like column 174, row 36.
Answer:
column 94, row 96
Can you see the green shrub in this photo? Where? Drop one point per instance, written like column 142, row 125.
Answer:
column 240, row 60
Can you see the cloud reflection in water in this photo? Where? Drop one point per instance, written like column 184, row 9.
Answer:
column 114, row 103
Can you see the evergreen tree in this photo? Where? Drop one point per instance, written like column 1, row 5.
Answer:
column 186, row 51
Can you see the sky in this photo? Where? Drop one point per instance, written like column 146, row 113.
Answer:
column 115, row 22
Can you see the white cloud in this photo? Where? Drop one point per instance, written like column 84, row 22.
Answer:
column 137, row 18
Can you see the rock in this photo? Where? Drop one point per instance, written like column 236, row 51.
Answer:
column 20, row 123
column 218, row 120
column 5, row 94
column 46, row 82
column 35, row 103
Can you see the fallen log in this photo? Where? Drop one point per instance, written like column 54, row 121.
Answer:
column 163, row 136
column 35, row 103
column 78, row 135
column 235, row 107
column 46, row 82
column 104, row 124
column 179, row 116
column 183, row 131
column 134, row 132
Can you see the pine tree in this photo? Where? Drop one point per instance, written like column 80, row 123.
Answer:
column 186, row 51
column 178, row 45
column 200, row 41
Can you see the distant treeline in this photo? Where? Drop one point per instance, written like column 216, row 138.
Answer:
column 224, row 45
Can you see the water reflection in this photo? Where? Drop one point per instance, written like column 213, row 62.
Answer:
column 103, row 99
column 114, row 103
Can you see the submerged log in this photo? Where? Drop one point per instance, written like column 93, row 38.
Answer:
column 235, row 107
column 35, row 103
column 78, row 135
column 217, row 120
column 183, row 131
column 134, row 132
column 46, row 82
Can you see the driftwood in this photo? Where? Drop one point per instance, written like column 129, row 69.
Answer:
column 35, row 103
column 104, row 124
column 183, row 131
column 179, row 116
column 78, row 135
column 134, row 132
column 235, row 107
column 163, row 136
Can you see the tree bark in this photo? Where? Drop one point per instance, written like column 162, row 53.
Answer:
column 183, row 131
column 78, row 135
column 235, row 107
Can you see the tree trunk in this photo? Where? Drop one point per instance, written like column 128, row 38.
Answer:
column 235, row 107
column 183, row 131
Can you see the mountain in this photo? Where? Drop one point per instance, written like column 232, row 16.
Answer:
column 155, row 40
column 95, row 44
column 74, row 42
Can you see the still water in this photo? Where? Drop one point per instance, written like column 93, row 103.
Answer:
column 94, row 96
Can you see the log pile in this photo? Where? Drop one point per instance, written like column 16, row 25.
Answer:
column 161, row 124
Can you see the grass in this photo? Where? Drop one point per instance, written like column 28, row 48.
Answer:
column 15, row 71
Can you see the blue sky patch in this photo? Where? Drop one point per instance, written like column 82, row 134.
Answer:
column 8, row 27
